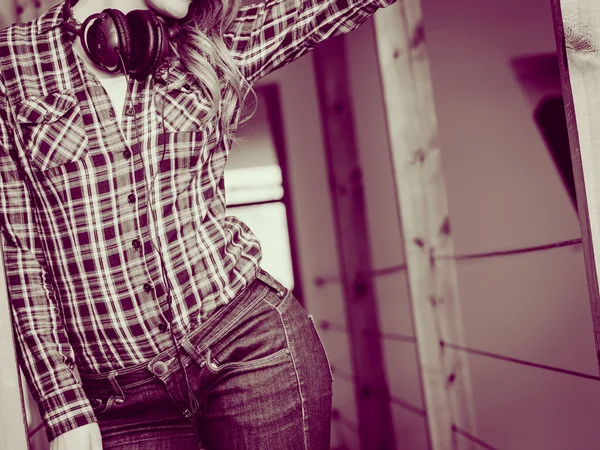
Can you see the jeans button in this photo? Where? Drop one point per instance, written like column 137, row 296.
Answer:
column 159, row 368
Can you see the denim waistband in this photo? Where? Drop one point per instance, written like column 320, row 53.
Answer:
column 202, row 336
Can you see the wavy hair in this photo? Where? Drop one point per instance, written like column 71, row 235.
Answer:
column 203, row 52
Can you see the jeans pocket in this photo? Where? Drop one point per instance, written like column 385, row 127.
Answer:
column 254, row 340
column 216, row 367
column 314, row 327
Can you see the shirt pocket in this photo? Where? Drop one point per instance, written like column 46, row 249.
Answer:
column 53, row 129
column 182, row 109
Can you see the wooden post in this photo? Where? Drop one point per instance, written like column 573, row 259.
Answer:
column 375, row 426
column 577, row 27
column 416, row 154
column 13, row 423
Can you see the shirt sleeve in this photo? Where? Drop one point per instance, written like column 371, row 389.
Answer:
column 266, row 36
column 45, row 355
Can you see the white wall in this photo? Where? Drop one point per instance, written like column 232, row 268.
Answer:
column 504, row 192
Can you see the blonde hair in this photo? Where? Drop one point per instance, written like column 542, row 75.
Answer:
column 203, row 52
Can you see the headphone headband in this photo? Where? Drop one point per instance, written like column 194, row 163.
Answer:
column 74, row 27
column 135, row 43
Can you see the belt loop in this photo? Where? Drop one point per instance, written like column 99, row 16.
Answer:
column 112, row 379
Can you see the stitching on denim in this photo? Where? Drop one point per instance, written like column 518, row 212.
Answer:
column 147, row 439
column 264, row 361
column 302, row 401
column 213, row 336
column 312, row 320
column 115, row 385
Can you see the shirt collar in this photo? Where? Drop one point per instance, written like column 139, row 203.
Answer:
column 50, row 19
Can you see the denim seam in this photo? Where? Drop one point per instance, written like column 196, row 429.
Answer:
column 302, row 402
column 312, row 320
column 211, row 338
column 216, row 318
column 265, row 361
column 151, row 438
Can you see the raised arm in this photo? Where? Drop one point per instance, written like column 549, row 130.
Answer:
column 268, row 35
column 46, row 356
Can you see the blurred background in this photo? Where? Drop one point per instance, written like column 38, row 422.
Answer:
column 507, row 171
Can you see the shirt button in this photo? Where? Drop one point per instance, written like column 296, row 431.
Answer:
column 163, row 327
column 129, row 111
column 47, row 117
column 136, row 244
column 127, row 154
column 147, row 287
column 131, row 198
column 111, row 114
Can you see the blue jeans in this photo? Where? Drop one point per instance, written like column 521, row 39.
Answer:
column 258, row 373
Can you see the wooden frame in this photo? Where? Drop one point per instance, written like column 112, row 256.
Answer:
column 375, row 426
column 416, row 155
column 577, row 27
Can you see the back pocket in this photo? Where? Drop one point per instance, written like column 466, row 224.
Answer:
column 53, row 129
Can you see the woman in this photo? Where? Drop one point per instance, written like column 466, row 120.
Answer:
column 121, row 261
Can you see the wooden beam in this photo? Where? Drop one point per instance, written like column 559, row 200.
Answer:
column 577, row 29
column 13, row 423
column 416, row 154
column 375, row 424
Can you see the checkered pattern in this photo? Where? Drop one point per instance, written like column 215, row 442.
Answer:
column 100, row 219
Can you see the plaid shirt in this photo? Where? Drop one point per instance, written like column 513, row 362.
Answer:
column 98, row 223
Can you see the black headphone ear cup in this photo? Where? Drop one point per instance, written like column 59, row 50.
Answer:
column 148, row 42
column 125, row 44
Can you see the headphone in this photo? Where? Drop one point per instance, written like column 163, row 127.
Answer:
column 136, row 43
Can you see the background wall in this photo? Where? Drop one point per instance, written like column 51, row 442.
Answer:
column 504, row 193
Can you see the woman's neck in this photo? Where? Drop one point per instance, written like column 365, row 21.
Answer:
column 85, row 8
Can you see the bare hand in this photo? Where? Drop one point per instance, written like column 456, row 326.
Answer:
column 177, row 9
column 86, row 437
